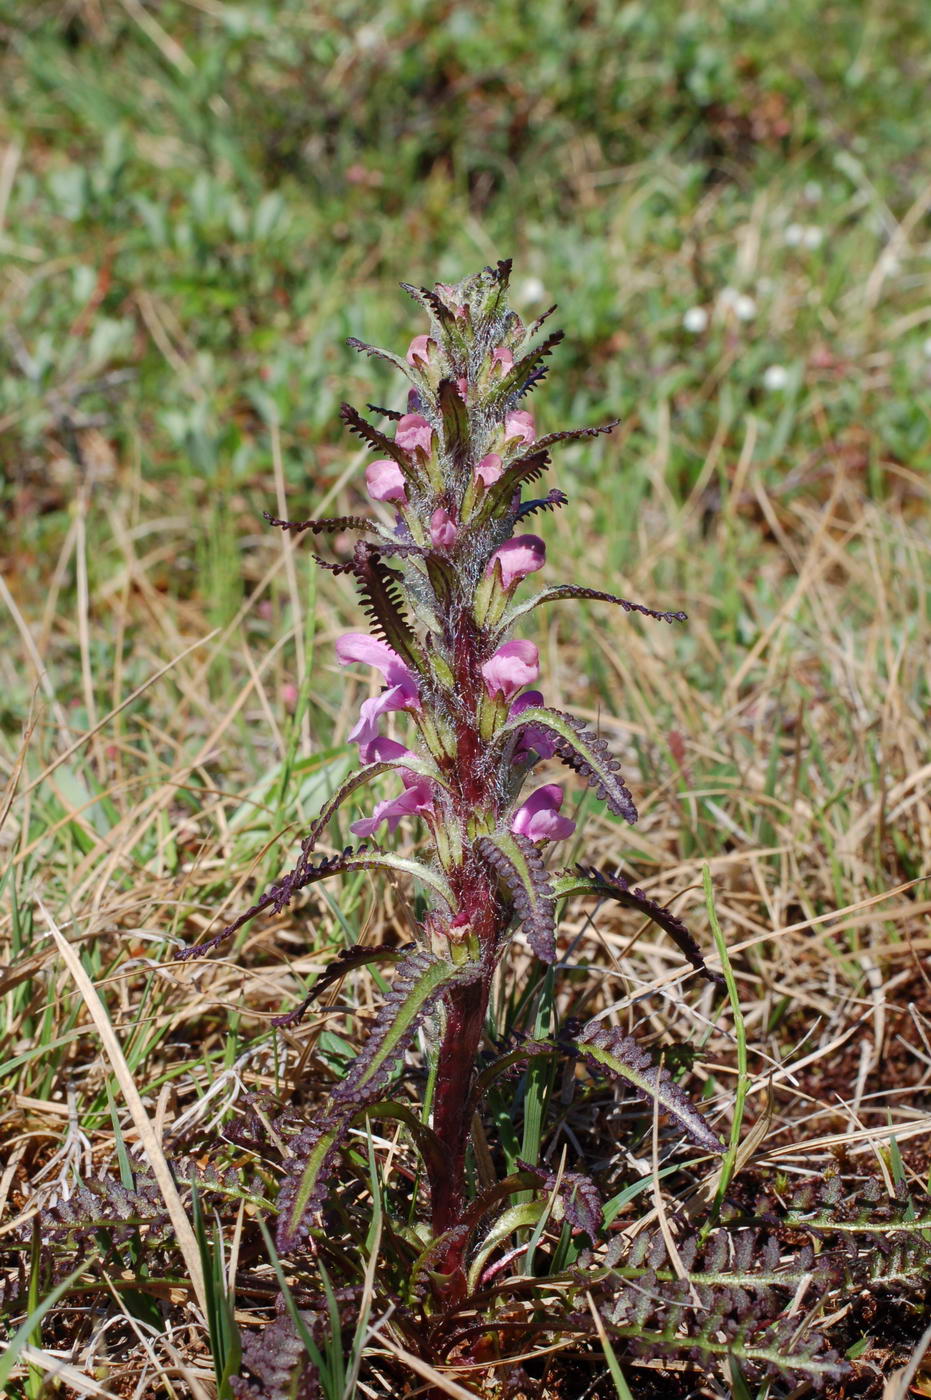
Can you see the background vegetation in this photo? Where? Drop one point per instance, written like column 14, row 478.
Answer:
column 199, row 201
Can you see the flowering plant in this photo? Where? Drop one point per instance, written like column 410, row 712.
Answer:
column 440, row 583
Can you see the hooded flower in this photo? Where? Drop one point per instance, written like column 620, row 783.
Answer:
column 520, row 427
column 365, row 733
column 533, row 737
column 513, row 665
column 418, row 352
column 518, row 557
column 443, row 530
column 489, row 469
column 416, row 797
column 502, row 360
column 385, row 481
column 372, row 651
column 538, row 818
column 414, row 434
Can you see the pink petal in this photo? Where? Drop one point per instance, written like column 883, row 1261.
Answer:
column 443, row 529
column 365, row 731
column 489, row 469
column 538, row 818
column 418, row 797
column 504, row 358
column 533, row 737
column 413, row 432
column 522, row 555
column 418, row 352
column 372, row 651
column 520, row 427
column 514, row 665
column 385, row 481
column 382, row 750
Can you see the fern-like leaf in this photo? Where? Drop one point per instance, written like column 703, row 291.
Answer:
column 344, row 962
column 310, row 1158
column 377, row 440
column 374, row 350
column 589, row 880
column 277, row 1364
column 326, row 525
column 585, row 752
column 573, row 434
column 517, row 473
column 619, row 1055
column 524, row 370
column 276, row 897
column 571, row 590
column 581, row 1200
column 456, row 433
column 519, row 866
column 413, row 762
column 420, row 981
column 383, row 602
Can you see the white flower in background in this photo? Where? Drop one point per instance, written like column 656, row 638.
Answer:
column 926, row 347
column 744, row 308
column 793, row 235
column 775, row 377
column 695, row 320
column 726, row 298
column 811, row 192
column 813, row 236
column 532, row 289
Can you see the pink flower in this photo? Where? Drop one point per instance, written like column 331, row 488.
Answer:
column 514, row 665
column 372, row 651
column 365, row 731
column 520, row 427
column 505, row 359
column 382, row 750
column 385, row 481
column 413, row 433
column 522, row 555
column 289, row 694
column 443, row 530
column 416, row 797
column 489, row 470
column 538, row 818
column 463, row 386
column 418, row 352
column 533, row 737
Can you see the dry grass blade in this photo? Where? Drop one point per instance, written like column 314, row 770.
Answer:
column 147, row 1135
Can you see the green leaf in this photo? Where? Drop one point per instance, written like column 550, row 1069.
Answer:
column 621, row 1056
column 588, row 880
column 569, row 590
column 585, row 752
column 519, row 865
column 420, row 981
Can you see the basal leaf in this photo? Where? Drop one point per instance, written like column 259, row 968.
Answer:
column 310, row 1157
column 619, row 1055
